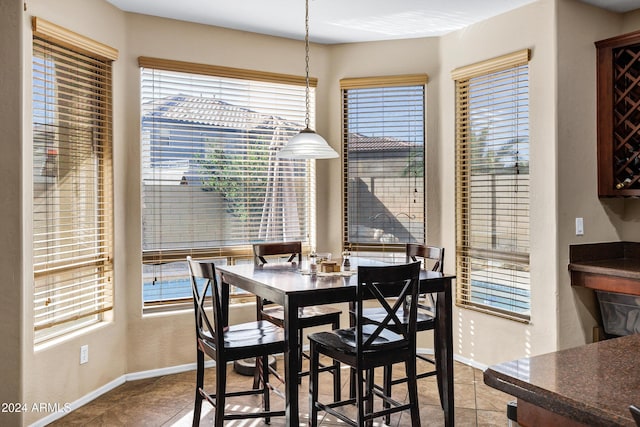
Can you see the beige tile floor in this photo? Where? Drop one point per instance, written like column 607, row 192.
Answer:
column 168, row 401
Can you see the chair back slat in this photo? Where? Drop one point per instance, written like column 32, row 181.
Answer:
column 204, row 283
column 377, row 284
column 263, row 250
column 435, row 254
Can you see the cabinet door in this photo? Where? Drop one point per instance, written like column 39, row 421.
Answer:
column 619, row 115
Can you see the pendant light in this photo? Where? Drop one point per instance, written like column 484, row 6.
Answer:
column 307, row 144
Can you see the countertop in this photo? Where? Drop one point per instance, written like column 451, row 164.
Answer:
column 594, row 384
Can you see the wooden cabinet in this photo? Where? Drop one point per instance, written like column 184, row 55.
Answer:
column 618, row 73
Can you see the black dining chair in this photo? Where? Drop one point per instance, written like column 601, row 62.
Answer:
column 370, row 344
column 308, row 317
column 431, row 257
column 224, row 343
column 635, row 413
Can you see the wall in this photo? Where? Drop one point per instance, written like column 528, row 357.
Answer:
column 386, row 58
column 533, row 27
column 579, row 26
column 11, row 298
column 171, row 39
column 52, row 372
column 560, row 34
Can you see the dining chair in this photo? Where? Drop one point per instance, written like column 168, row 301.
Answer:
column 308, row 317
column 431, row 257
column 635, row 413
column 371, row 344
column 225, row 343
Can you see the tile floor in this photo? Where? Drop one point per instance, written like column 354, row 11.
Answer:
column 168, row 401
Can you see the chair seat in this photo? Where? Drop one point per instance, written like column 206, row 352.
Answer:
column 424, row 320
column 261, row 334
column 344, row 340
column 307, row 316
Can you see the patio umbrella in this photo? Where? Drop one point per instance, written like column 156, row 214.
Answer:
column 280, row 219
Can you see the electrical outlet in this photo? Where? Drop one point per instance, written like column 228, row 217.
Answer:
column 84, row 354
column 579, row 227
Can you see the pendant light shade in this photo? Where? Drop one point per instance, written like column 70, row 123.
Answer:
column 307, row 144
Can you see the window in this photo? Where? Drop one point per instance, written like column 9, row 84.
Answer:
column 72, row 180
column 211, row 183
column 492, row 185
column 384, row 164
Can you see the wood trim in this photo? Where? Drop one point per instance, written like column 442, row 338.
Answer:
column 530, row 415
column 384, row 81
column 605, row 283
column 72, row 40
column 618, row 41
column 220, row 71
column 503, row 62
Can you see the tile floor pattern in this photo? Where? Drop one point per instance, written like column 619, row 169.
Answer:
column 168, row 401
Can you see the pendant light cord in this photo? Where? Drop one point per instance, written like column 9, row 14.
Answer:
column 306, row 50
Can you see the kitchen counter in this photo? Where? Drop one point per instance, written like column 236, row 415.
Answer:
column 590, row 385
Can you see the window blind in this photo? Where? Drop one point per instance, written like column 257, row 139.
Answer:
column 211, row 183
column 384, row 162
column 72, row 181
column 492, row 197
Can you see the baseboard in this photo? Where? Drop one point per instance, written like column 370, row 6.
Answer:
column 80, row 402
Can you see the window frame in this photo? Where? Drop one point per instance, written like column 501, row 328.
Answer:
column 71, row 291
column 236, row 253
column 388, row 251
column 465, row 253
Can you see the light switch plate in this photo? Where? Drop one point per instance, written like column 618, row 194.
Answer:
column 579, row 227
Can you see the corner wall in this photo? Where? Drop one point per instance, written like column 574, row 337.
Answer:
column 579, row 26
column 533, row 27
column 53, row 374
column 11, row 194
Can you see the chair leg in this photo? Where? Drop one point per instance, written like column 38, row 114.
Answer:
column 314, row 363
column 221, row 386
column 368, row 407
column 197, row 407
column 412, row 385
column 256, row 375
column 264, row 368
column 300, row 359
column 360, row 396
column 387, row 391
column 337, row 380
column 352, row 383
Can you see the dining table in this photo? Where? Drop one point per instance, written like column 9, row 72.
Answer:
column 291, row 286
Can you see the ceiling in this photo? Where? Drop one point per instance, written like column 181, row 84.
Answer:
column 341, row 21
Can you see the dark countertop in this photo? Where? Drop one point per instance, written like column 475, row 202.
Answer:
column 593, row 384
column 621, row 267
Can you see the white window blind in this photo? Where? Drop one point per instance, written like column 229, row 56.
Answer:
column 492, row 154
column 72, row 181
column 384, row 167
column 211, row 182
